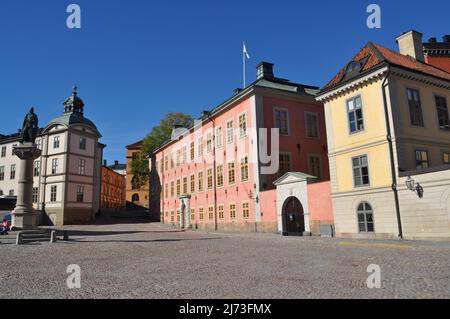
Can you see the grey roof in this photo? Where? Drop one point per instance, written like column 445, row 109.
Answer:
column 72, row 118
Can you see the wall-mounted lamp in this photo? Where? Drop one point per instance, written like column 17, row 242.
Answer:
column 414, row 187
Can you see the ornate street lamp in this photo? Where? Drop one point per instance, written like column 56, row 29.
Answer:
column 414, row 187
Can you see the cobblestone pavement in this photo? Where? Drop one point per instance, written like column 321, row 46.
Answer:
column 142, row 260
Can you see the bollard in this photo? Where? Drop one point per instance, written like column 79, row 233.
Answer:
column 53, row 237
column 19, row 238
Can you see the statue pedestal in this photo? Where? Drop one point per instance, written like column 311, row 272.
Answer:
column 24, row 217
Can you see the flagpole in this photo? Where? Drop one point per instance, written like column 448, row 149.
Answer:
column 243, row 61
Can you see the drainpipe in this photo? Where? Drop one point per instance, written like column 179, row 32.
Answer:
column 391, row 155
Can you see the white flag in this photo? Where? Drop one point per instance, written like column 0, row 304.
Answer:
column 245, row 52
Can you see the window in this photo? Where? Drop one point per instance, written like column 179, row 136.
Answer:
column 3, row 151
column 80, row 194
column 178, row 216
column 2, row 173
column 230, row 132
column 210, row 212
column 242, row 125
column 166, row 191
column 200, row 181
column 285, row 164
column 54, row 166
column 39, row 144
column 365, row 218
column 355, row 115
column 185, row 185
column 415, row 107
column 231, row 174
column 442, row 111
column 172, row 216
column 192, row 215
column 314, row 166
column 53, row 191
column 221, row 212
column 200, row 147
column 232, row 211
column 192, row 151
column 135, row 198
column 219, row 137
column 422, row 159
column 281, row 121
column 82, row 144
column 35, row 195
column 56, row 142
column 208, row 143
column 220, row 176
column 37, row 168
column 166, row 162
column 446, row 158
column 244, row 169
column 245, row 210
column 312, row 125
column 201, row 214
column 12, row 174
column 81, row 166
column 178, row 157
column 172, row 164
column 178, row 187
column 172, row 189
column 209, row 177
column 11, row 192
column 360, row 171
column 184, row 154
column 192, row 183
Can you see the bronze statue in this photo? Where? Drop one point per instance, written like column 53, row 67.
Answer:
column 30, row 127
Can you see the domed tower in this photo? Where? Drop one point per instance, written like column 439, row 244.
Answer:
column 72, row 162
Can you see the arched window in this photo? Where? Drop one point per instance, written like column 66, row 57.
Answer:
column 365, row 218
column 135, row 198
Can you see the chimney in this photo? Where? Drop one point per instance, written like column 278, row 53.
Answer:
column 432, row 40
column 264, row 70
column 410, row 43
column 105, row 163
column 116, row 163
column 447, row 38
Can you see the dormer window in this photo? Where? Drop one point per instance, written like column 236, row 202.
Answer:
column 353, row 67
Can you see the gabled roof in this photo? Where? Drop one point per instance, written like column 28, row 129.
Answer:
column 373, row 55
column 135, row 145
column 293, row 177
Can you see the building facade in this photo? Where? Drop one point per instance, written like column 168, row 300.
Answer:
column 218, row 172
column 136, row 198
column 113, row 196
column 438, row 53
column 67, row 176
column 388, row 124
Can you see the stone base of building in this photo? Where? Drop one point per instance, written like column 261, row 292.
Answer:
column 316, row 224
column 70, row 216
column 262, row 227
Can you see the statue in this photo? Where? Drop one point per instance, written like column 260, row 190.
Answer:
column 30, row 127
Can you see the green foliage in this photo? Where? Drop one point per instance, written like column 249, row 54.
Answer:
column 162, row 133
column 140, row 171
column 158, row 135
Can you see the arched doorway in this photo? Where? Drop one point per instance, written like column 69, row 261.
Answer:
column 135, row 198
column 293, row 217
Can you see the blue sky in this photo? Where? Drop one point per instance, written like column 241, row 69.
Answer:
column 136, row 60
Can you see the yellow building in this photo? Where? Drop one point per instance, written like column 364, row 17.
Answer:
column 388, row 123
column 136, row 198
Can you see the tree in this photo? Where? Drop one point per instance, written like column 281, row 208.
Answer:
column 158, row 136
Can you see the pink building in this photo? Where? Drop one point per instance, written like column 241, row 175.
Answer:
column 217, row 174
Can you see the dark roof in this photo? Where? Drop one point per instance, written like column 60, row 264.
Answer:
column 135, row 145
column 373, row 55
column 72, row 118
column 118, row 166
column 268, row 83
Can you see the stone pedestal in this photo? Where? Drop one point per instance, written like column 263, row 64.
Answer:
column 185, row 211
column 24, row 216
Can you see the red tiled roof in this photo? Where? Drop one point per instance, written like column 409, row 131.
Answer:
column 377, row 54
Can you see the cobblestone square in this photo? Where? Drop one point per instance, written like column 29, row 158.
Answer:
column 141, row 260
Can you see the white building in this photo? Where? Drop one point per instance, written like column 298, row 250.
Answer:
column 67, row 177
